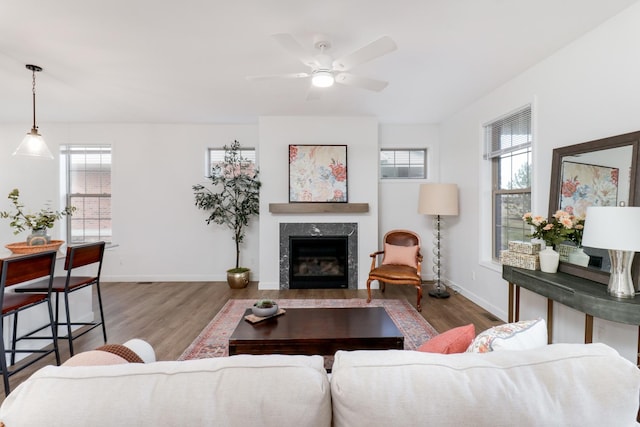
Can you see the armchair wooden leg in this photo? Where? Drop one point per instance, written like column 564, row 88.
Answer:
column 418, row 306
column 369, row 291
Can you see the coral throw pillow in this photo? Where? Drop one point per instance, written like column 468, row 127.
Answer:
column 400, row 255
column 455, row 340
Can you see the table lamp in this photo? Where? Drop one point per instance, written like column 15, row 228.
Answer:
column 438, row 200
column 618, row 230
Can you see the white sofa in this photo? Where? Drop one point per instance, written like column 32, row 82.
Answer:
column 556, row 385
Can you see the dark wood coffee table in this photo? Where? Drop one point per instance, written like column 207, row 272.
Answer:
column 320, row 331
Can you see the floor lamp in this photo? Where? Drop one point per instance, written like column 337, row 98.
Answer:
column 438, row 200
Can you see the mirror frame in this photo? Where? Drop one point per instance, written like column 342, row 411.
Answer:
column 632, row 139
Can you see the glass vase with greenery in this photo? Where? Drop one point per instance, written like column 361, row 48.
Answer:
column 233, row 198
column 40, row 221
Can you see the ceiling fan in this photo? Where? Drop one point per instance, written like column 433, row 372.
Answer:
column 325, row 71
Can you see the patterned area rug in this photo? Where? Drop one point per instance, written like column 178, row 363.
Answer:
column 213, row 341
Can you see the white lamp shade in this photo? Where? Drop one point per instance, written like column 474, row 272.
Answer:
column 438, row 199
column 612, row 227
column 33, row 145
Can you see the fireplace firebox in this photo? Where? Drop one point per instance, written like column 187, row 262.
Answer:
column 318, row 262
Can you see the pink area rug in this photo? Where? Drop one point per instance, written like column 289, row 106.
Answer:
column 213, row 341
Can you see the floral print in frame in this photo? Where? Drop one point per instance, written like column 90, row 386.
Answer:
column 318, row 173
column 585, row 185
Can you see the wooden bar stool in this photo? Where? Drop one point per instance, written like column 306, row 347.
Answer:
column 13, row 271
column 89, row 254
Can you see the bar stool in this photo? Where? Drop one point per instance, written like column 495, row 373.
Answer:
column 13, row 271
column 77, row 256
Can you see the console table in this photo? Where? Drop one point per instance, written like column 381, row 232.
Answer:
column 580, row 294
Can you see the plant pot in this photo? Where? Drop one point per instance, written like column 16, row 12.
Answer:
column 265, row 312
column 238, row 278
column 38, row 237
column 549, row 260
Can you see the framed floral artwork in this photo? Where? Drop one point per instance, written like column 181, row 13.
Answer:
column 585, row 185
column 318, row 173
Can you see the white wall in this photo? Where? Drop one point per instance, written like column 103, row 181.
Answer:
column 399, row 197
column 161, row 235
column 360, row 134
column 588, row 90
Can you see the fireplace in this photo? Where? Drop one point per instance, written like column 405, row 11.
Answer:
column 318, row 262
column 329, row 252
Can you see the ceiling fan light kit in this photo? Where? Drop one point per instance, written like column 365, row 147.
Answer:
column 322, row 79
column 325, row 71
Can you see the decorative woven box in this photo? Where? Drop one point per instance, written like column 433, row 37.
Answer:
column 515, row 259
column 524, row 247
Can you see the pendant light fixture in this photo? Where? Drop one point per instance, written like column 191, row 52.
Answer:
column 33, row 144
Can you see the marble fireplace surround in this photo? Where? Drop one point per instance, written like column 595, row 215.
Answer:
column 308, row 229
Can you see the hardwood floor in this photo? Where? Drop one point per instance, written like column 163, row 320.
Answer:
column 170, row 315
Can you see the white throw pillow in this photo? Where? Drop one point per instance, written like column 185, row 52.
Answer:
column 523, row 335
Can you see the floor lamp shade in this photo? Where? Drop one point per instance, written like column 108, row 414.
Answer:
column 438, row 199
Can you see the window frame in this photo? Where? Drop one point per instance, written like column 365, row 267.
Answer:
column 496, row 157
column 395, row 165
column 251, row 158
column 66, row 151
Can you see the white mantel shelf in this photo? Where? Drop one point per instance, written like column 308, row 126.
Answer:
column 312, row 208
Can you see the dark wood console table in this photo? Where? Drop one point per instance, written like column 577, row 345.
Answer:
column 580, row 294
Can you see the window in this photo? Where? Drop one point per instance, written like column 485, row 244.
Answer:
column 88, row 189
column 403, row 163
column 508, row 147
column 216, row 155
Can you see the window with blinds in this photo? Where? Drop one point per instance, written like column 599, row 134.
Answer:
column 508, row 143
column 216, row 155
column 403, row 163
column 88, row 189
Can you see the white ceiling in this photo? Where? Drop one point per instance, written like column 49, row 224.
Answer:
column 164, row 61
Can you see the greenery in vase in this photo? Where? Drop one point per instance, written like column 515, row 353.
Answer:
column 41, row 220
column 234, row 196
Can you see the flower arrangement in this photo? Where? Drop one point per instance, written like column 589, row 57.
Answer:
column 555, row 231
column 41, row 220
column 235, row 198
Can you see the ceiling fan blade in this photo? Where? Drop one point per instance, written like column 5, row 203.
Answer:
column 279, row 76
column 314, row 93
column 349, row 79
column 367, row 53
column 289, row 43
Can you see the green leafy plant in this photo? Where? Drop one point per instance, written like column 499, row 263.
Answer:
column 234, row 197
column 43, row 219
column 265, row 303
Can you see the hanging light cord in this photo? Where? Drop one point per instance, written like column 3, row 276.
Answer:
column 33, row 90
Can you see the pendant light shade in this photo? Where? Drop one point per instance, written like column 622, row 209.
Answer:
column 33, row 144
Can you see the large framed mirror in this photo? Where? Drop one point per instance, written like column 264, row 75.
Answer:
column 607, row 171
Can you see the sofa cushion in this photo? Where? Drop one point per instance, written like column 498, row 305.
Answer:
column 523, row 335
column 455, row 340
column 555, row 385
column 241, row 390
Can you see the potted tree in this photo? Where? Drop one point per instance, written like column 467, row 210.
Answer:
column 232, row 200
